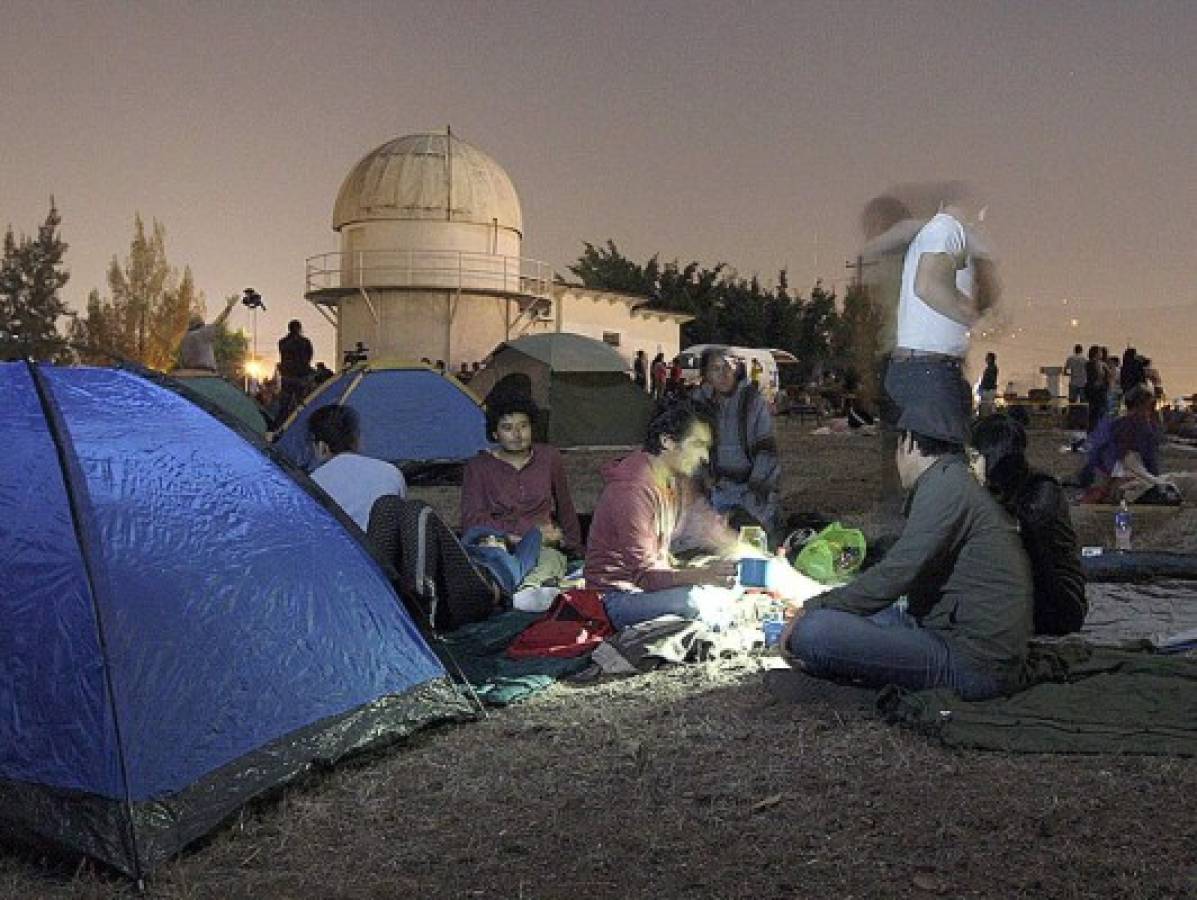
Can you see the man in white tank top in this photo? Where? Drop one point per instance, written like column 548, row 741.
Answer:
column 947, row 284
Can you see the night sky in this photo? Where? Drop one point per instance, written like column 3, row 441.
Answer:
column 745, row 133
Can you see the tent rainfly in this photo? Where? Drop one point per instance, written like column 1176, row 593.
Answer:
column 184, row 625
column 581, row 384
column 410, row 414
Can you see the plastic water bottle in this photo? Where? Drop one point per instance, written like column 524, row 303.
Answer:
column 1122, row 528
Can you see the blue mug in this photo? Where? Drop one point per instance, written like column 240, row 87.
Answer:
column 754, row 572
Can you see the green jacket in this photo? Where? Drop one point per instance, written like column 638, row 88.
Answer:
column 961, row 566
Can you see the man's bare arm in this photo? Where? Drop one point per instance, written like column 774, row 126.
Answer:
column 228, row 308
column 935, row 285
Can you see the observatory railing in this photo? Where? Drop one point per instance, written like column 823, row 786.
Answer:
column 435, row 269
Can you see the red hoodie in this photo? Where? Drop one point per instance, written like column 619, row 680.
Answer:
column 635, row 519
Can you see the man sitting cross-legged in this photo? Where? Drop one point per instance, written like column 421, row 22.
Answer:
column 962, row 569
column 648, row 499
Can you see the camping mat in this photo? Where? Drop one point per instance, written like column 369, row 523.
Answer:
column 476, row 652
column 1128, row 611
column 1084, row 699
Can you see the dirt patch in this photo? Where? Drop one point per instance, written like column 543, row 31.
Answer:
column 694, row 782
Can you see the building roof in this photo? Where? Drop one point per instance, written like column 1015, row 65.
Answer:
column 639, row 304
column 434, row 176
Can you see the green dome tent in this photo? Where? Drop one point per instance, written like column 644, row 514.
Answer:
column 581, row 384
column 226, row 396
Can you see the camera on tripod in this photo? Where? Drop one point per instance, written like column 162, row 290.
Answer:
column 356, row 354
column 251, row 299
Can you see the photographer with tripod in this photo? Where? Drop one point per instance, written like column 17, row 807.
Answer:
column 295, row 369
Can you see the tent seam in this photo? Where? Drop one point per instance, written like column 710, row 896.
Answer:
column 58, row 435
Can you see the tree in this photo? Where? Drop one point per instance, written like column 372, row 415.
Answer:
column 145, row 315
column 727, row 309
column 232, row 350
column 856, row 342
column 817, row 322
column 31, row 277
column 607, row 269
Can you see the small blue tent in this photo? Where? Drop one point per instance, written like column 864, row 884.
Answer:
column 409, row 414
column 183, row 624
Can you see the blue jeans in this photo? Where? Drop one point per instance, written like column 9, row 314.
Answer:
column 889, row 647
column 626, row 608
column 936, row 383
column 508, row 568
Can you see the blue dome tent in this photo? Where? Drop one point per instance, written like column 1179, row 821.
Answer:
column 183, row 625
column 410, row 414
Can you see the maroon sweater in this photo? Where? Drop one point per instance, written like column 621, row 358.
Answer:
column 636, row 518
column 495, row 494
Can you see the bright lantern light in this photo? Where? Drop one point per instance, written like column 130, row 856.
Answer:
column 1073, row 322
column 256, row 369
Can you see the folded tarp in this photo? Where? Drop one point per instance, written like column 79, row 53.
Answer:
column 1083, row 699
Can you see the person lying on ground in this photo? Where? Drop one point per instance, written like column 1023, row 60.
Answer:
column 649, row 498
column 1123, row 460
column 744, row 462
column 1039, row 505
column 960, row 565
column 352, row 480
column 518, row 484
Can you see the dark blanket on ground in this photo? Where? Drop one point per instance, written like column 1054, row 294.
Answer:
column 475, row 652
column 1082, row 699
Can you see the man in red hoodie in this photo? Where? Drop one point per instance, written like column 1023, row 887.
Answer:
column 649, row 497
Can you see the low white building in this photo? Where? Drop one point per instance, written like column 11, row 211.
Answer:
column 431, row 264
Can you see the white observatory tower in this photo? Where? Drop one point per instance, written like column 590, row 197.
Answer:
column 430, row 263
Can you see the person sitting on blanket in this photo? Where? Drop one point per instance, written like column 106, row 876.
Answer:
column 354, row 481
column 648, row 500
column 961, row 568
column 1123, row 461
column 1039, row 505
column 517, row 488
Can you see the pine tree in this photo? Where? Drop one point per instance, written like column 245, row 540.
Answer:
column 145, row 316
column 31, row 277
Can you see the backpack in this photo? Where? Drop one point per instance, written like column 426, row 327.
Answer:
column 574, row 625
column 435, row 572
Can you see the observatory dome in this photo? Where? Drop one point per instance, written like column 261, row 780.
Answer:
column 431, row 176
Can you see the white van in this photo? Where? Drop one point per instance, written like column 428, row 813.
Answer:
column 779, row 367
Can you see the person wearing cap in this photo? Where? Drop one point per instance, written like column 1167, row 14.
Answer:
column 959, row 564
column 948, row 283
column 197, row 351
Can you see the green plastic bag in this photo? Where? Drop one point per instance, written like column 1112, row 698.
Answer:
column 833, row 555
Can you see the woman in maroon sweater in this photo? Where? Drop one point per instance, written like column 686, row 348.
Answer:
column 519, row 485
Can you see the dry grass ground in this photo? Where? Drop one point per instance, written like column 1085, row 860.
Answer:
column 695, row 783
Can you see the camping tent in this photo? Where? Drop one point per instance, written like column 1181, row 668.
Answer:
column 183, row 624
column 581, row 383
column 409, row 414
column 226, row 396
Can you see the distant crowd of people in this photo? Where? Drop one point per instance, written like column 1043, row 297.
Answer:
column 1102, row 381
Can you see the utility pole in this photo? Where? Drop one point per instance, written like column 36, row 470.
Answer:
column 860, row 265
